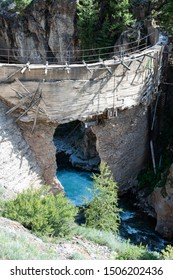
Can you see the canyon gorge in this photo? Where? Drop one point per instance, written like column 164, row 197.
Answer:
column 82, row 113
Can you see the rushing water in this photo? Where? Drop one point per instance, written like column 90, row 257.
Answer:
column 76, row 184
column 135, row 225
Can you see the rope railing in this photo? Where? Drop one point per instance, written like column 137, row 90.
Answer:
column 22, row 56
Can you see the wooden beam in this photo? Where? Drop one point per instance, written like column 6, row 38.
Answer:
column 17, row 105
column 13, row 74
column 155, row 109
column 149, row 55
column 86, row 66
column 104, row 64
column 35, row 119
column 125, row 65
column 139, row 60
column 67, row 68
column 25, row 67
column 153, row 157
column 47, row 63
column 19, row 82
column 26, row 110
column 171, row 84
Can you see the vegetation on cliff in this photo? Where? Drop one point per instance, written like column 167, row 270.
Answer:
column 42, row 212
column 100, row 22
column 18, row 4
column 17, row 243
column 53, row 219
column 163, row 12
column 22, row 4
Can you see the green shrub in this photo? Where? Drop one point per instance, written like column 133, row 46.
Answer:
column 22, row 4
column 167, row 253
column 128, row 251
column 77, row 256
column 99, row 237
column 103, row 212
column 42, row 212
column 17, row 246
column 121, row 249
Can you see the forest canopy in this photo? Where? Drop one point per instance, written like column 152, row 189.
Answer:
column 100, row 21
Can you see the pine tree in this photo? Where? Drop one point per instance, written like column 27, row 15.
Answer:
column 87, row 23
column 103, row 212
column 101, row 21
column 165, row 16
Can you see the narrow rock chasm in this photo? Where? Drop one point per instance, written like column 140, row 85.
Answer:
column 76, row 147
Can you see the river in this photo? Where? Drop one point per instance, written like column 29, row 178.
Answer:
column 135, row 225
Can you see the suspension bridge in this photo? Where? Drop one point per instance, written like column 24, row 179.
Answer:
column 80, row 84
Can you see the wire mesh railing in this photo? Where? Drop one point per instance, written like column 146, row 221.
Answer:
column 35, row 56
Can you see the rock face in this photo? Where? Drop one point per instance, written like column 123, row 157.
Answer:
column 18, row 166
column 41, row 143
column 46, row 28
column 122, row 143
column 26, row 158
column 161, row 200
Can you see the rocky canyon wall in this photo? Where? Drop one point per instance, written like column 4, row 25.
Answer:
column 18, row 165
column 26, row 158
column 122, row 142
column 77, row 95
column 161, row 199
column 45, row 28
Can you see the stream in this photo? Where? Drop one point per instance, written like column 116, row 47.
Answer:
column 135, row 225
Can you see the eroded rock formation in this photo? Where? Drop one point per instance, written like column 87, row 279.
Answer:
column 46, row 28
column 161, row 200
column 18, row 165
column 26, row 158
column 41, row 143
column 122, row 143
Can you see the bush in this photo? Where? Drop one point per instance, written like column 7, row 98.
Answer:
column 42, row 212
column 103, row 212
column 18, row 246
column 128, row 251
column 98, row 237
column 167, row 253
column 22, row 4
column 120, row 249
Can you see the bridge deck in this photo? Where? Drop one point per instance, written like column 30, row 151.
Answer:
column 66, row 92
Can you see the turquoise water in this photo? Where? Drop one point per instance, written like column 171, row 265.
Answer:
column 76, row 184
column 135, row 225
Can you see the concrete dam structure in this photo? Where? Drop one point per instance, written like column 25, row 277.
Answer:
column 36, row 97
column 62, row 93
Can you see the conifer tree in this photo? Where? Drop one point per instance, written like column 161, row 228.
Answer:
column 87, row 23
column 100, row 21
column 103, row 212
column 165, row 16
